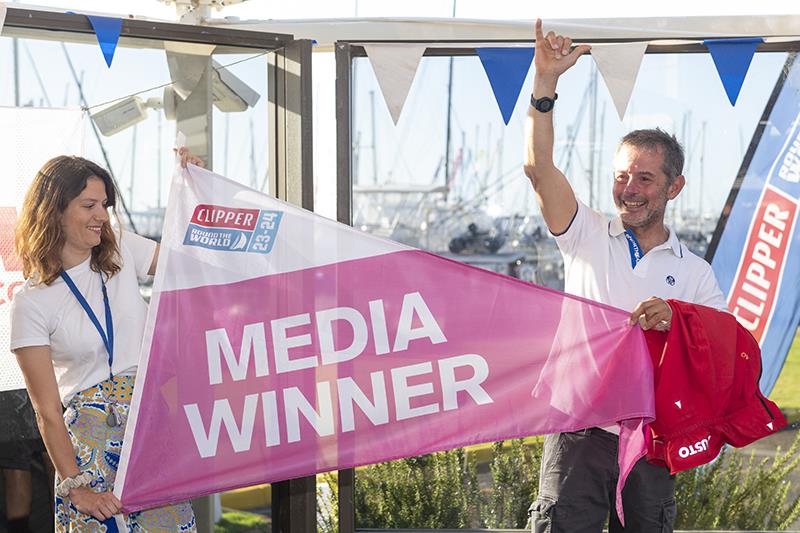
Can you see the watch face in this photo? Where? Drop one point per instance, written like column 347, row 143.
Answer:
column 544, row 104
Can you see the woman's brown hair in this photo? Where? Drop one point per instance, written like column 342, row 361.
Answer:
column 39, row 237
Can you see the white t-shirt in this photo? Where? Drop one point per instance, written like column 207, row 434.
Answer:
column 50, row 315
column 598, row 265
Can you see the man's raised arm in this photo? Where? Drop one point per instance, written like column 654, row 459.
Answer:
column 553, row 192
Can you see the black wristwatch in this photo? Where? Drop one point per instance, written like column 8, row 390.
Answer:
column 544, row 104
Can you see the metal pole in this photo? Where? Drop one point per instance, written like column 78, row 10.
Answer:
column 15, row 45
column 374, row 146
column 291, row 179
column 344, row 203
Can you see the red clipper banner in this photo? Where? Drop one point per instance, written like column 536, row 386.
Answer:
column 758, row 276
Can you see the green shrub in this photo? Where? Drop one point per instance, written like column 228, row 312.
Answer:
column 739, row 492
column 441, row 491
column 515, row 483
column 241, row 522
column 430, row 491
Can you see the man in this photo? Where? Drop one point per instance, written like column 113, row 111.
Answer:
column 632, row 261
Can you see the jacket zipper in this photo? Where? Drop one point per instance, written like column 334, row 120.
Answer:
column 758, row 389
column 764, row 404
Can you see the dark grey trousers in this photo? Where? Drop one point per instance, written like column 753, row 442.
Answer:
column 578, row 484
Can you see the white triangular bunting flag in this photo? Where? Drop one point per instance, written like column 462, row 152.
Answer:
column 770, row 426
column 619, row 64
column 395, row 66
column 2, row 16
column 678, row 403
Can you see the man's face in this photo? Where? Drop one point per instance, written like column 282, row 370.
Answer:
column 641, row 189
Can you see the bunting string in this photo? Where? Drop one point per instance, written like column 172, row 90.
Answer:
column 506, row 68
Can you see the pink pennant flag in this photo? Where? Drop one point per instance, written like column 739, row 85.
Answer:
column 280, row 344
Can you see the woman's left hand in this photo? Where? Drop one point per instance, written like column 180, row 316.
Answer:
column 187, row 157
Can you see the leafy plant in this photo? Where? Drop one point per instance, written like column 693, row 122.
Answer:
column 739, row 492
column 515, row 482
column 429, row 491
column 241, row 522
column 441, row 490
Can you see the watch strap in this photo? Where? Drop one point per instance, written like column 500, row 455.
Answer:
column 536, row 103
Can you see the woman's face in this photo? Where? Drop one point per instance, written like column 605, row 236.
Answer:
column 83, row 219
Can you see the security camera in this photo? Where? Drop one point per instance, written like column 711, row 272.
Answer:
column 231, row 94
column 124, row 114
column 119, row 116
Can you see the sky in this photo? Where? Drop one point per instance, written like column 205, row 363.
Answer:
column 682, row 94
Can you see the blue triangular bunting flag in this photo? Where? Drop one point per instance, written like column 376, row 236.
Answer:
column 107, row 30
column 732, row 58
column 506, row 69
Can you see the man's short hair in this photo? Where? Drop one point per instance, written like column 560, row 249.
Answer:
column 658, row 139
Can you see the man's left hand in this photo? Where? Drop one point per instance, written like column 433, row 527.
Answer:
column 653, row 313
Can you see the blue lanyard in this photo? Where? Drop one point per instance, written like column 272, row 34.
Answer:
column 633, row 248
column 107, row 340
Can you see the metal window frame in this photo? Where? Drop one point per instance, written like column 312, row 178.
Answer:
column 345, row 52
column 27, row 23
column 290, row 147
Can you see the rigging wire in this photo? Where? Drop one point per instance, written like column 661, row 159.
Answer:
column 87, row 107
column 97, row 136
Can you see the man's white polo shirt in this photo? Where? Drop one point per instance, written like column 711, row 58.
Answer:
column 600, row 264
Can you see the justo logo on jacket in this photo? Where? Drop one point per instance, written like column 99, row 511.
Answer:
column 232, row 229
column 694, row 449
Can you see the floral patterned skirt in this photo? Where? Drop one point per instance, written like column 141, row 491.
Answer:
column 97, row 450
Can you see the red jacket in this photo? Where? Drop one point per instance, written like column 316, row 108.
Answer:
column 707, row 369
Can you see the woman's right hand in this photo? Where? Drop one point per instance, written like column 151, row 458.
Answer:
column 187, row 157
column 101, row 505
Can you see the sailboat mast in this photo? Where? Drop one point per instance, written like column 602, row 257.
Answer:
column 449, row 108
column 374, row 148
column 702, row 166
column 159, row 176
column 253, row 182
column 133, row 164
column 592, row 140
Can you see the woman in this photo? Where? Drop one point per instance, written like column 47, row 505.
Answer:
column 76, row 330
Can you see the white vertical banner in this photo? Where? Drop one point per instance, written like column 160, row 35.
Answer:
column 31, row 136
column 395, row 66
column 619, row 65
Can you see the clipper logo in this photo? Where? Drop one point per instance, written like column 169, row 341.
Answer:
column 755, row 288
column 231, row 229
column 694, row 449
